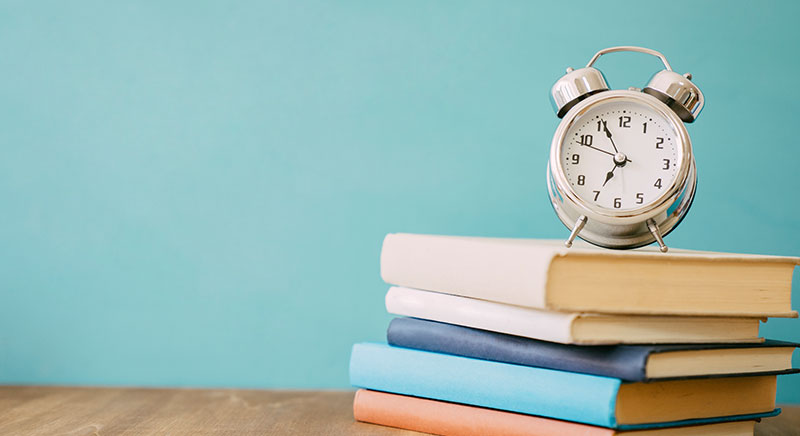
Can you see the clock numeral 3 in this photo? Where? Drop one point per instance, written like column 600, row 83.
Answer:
column 666, row 164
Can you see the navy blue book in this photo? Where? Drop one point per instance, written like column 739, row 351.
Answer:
column 632, row 363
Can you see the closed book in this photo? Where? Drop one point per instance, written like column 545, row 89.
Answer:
column 565, row 327
column 589, row 399
column 452, row 419
column 626, row 362
column 546, row 275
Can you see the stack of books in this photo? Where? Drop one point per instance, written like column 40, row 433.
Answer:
column 526, row 337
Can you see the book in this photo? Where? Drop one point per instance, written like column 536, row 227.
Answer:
column 588, row 399
column 546, row 275
column 568, row 328
column 631, row 363
column 451, row 419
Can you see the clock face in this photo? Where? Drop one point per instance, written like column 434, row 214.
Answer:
column 620, row 155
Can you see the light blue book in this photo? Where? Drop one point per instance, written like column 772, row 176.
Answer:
column 589, row 399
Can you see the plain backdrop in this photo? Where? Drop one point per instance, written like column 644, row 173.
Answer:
column 195, row 193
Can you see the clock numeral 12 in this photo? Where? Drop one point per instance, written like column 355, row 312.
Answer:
column 624, row 121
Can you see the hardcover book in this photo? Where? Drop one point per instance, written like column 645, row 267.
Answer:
column 589, row 399
column 568, row 328
column 627, row 362
column 546, row 275
column 451, row 419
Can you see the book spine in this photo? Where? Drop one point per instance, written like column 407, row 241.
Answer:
column 534, row 391
column 450, row 419
column 626, row 363
column 486, row 315
column 508, row 271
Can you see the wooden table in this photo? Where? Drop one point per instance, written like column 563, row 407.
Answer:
column 29, row 410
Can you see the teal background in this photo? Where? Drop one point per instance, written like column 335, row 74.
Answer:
column 195, row 194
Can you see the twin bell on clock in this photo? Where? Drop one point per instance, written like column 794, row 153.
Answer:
column 621, row 172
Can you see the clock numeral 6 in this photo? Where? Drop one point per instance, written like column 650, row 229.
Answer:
column 576, row 159
column 640, row 197
column 657, row 184
column 617, row 203
column 666, row 164
column 581, row 179
column 624, row 121
column 659, row 141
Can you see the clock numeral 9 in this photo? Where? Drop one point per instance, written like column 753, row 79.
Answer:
column 657, row 184
column 586, row 140
column 666, row 164
column 581, row 179
column 659, row 141
column 640, row 197
column 617, row 203
column 576, row 159
column 624, row 121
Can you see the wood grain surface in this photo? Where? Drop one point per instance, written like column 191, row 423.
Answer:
column 30, row 410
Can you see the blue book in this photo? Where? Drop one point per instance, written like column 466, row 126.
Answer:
column 626, row 362
column 589, row 399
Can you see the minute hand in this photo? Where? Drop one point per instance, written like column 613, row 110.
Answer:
column 601, row 150
column 608, row 134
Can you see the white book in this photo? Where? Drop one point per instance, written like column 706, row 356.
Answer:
column 546, row 275
column 568, row 328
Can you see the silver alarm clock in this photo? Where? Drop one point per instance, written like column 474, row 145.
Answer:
column 621, row 172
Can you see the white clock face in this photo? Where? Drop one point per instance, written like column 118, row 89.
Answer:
column 620, row 155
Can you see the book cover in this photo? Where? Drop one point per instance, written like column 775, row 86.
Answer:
column 567, row 327
column 452, row 419
column 626, row 362
column 583, row 398
column 546, row 275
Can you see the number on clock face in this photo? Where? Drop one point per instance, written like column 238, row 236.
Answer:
column 620, row 155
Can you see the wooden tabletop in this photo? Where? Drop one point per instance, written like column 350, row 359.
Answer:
column 29, row 410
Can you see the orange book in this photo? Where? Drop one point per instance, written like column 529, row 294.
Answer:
column 451, row 419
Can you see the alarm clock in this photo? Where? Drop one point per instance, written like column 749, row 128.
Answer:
column 621, row 172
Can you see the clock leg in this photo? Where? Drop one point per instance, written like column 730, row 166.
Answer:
column 575, row 230
column 653, row 227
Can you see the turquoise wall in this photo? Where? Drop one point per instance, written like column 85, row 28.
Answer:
column 194, row 194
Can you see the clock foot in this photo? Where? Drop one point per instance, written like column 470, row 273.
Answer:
column 653, row 227
column 575, row 230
